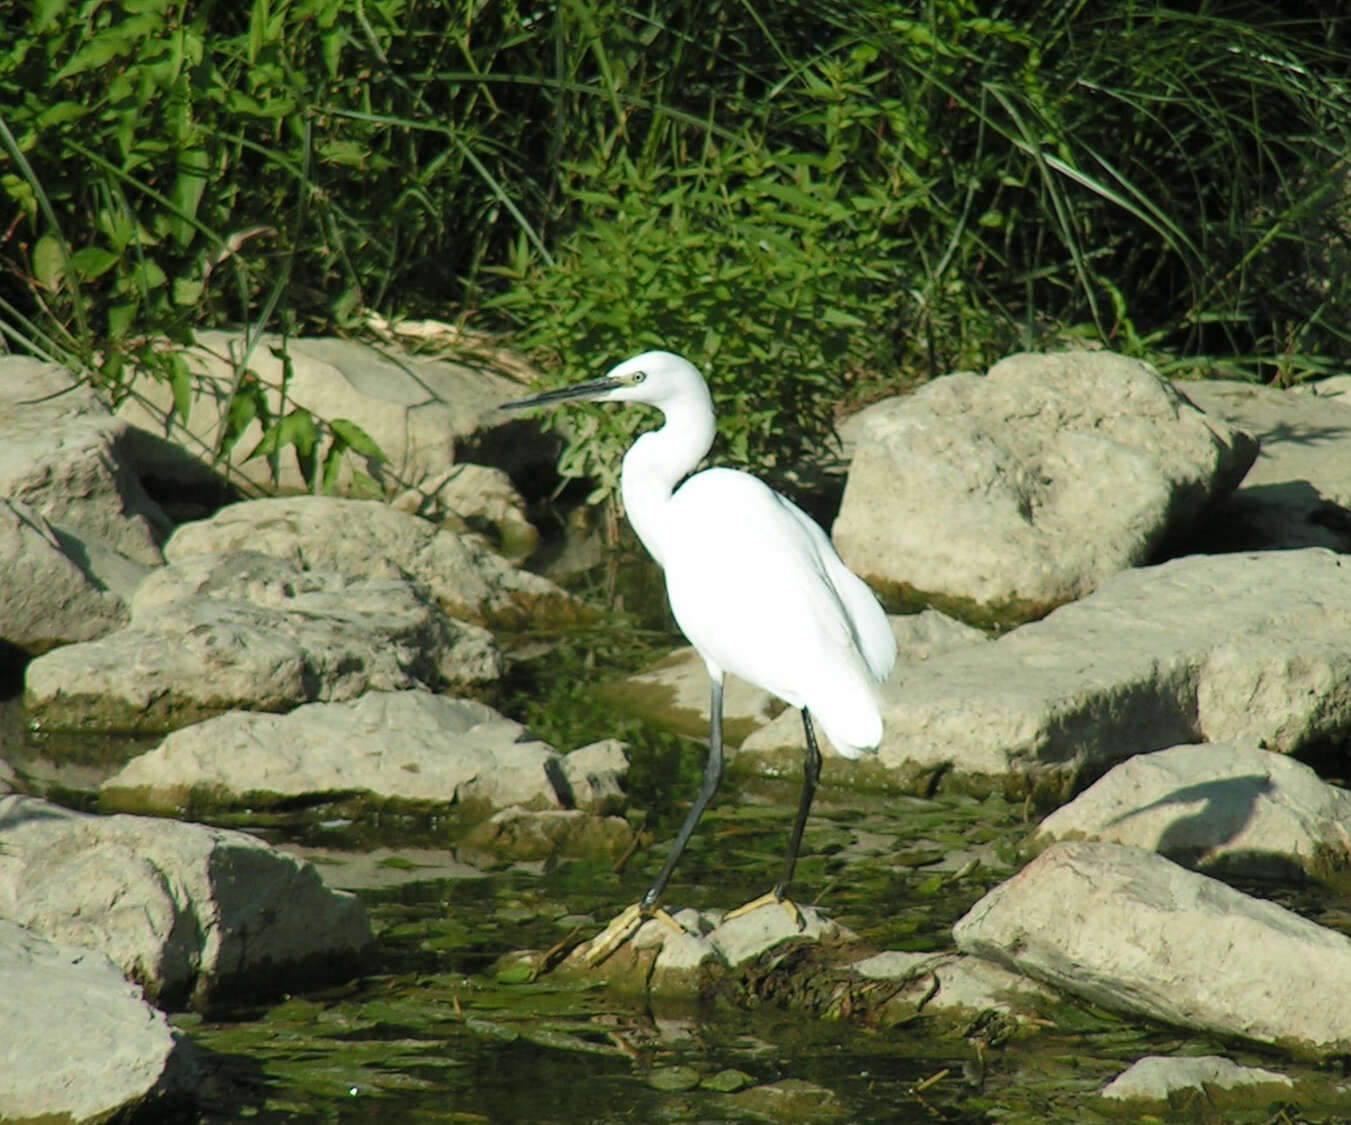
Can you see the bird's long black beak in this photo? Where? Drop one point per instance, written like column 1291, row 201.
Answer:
column 593, row 388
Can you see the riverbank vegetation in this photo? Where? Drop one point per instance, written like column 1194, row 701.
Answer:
column 817, row 202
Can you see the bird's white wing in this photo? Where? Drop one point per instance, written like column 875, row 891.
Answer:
column 761, row 593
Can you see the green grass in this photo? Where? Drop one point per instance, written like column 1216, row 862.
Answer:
column 820, row 202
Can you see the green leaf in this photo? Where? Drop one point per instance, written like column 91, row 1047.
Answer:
column 94, row 261
column 61, row 113
column 358, row 439
column 180, row 383
column 49, row 261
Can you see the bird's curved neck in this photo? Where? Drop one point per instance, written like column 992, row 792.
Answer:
column 657, row 461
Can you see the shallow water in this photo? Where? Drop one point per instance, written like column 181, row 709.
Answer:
column 433, row 1034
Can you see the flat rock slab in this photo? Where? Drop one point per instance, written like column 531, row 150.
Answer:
column 188, row 912
column 366, row 539
column 1222, row 809
column 77, row 1041
column 211, row 633
column 1136, row 933
column 457, row 756
column 1298, row 492
column 1000, row 497
column 1223, row 648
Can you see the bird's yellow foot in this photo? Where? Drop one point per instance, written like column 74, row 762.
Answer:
column 767, row 900
column 622, row 927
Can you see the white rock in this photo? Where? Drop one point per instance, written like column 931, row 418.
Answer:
column 416, row 408
column 1220, row 648
column 216, row 632
column 1133, row 932
column 368, row 539
column 186, row 911
column 1029, row 487
column 597, row 776
column 405, row 745
column 1156, row 1078
column 64, row 455
column 47, row 598
column 1298, row 492
column 77, row 1041
column 1219, row 808
column 479, row 499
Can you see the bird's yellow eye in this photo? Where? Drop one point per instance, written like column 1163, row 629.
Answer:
column 637, row 377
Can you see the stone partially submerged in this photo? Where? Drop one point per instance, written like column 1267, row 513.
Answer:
column 457, row 757
column 1135, row 933
column 211, row 633
column 1220, row 648
column 999, row 498
column 1224, row 810
column 190, row 913
column 77, row 1040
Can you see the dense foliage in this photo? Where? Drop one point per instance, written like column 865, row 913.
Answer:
column 814, row 200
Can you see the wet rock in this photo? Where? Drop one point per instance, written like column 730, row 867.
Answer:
column 1298, row 492
column 676, row 690
column 188, row 912
column 1220, row 648
column 1003, row 496
column 790, row 1100
column 660, row 963
column 1135, row 933
column 518, row 834
column 79, row 1043
column 1225, row 810
column 423, row 412
column 48, row 598
column 64, row 455
column 953, row 989
column 457, row 756
column 1159, row 1082
column 212, row 633
column 370, row 540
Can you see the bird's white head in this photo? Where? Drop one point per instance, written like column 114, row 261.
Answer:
column 660, row 379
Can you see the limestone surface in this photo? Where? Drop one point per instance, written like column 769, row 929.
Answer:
column 77, row 1040
column 186, row 911
column 1009, row 494
column 1136, row 933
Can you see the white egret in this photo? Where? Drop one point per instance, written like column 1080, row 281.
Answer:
column 755, row 585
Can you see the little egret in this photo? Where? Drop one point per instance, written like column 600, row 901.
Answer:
column 755, row 585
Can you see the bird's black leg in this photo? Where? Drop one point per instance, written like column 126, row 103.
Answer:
column 811, row 772
column 712, row 779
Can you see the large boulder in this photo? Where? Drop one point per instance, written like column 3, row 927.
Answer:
column 1225, row 810
column 1135, row 933
column 999, row 498
column 77, row 1041
column 211, row 633
column 190, row 913
column 1206, row 648
column 368, row 539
